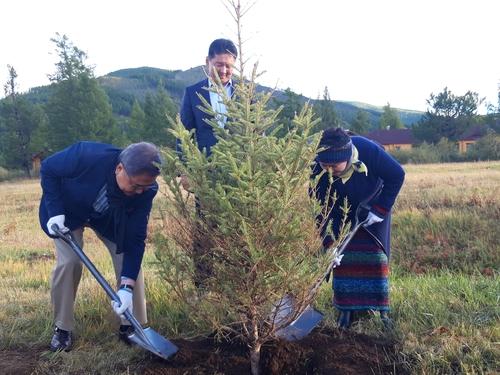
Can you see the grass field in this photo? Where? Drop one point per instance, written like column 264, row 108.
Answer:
column 445, row 290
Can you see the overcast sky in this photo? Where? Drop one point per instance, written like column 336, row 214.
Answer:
column 376, row 52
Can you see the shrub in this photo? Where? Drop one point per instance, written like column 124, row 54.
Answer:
column 486, row 148
column 9, row 174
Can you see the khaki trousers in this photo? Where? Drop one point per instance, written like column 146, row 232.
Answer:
column 66, row 277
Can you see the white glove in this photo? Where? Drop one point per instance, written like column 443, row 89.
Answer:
column 59, row 220
column 126, row 302
column 337, row 260
column 372, row 219
column 335, row 263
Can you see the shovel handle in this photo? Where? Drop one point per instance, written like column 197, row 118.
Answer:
column 68, row 238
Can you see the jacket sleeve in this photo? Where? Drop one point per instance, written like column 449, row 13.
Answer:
column 63, row 164
column 392, row 175
column 135, row 242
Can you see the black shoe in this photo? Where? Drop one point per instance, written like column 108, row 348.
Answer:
column 124, row 332
column 344, row 319
column 62, row 340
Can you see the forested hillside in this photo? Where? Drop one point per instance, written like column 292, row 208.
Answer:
column 135, row 104
column 127, row 85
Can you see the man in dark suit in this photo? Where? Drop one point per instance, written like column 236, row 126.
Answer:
column 111, row 191
column 220, row 61
column 221, row 57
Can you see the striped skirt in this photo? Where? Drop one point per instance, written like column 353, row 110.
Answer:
column 361, row 280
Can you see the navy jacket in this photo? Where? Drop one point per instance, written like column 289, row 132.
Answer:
column 194, row 118
column 71, row 180
column 382, row 168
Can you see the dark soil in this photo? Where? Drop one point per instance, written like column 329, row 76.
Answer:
column 18, row 362
column 324, row 351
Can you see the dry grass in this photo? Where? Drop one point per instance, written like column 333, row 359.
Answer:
column 444, row 284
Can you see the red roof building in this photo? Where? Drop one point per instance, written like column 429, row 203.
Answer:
column 470, row 137
column 393, row 139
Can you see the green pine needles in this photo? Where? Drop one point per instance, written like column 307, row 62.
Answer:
column 246, row 231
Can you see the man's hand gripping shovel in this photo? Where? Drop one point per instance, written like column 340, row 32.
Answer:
column 147, row 338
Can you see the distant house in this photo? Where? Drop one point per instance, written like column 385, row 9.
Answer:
column 393, row 139
column 470, row 137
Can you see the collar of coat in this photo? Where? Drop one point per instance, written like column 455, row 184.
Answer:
column 355, row 165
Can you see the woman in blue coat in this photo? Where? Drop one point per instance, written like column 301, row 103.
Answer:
column 354, row 168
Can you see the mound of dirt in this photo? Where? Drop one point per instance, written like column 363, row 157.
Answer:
column 17, row 362
column 322, row 352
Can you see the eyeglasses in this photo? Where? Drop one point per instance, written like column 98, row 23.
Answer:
column 138, row 187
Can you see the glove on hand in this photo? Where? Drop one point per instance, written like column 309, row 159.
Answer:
column 372, row 219
column 59, row 220
column 126, row 302
column 336, row 262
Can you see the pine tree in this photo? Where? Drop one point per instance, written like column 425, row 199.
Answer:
column 325, row 111
column 361, row 123
column 136, row 123
column 19, row 120
column 79, row 109
column 255, row 220
column 390, row 119
column 287, row 107
column 158, row 108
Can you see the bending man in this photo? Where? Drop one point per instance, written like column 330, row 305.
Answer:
column 110, row 190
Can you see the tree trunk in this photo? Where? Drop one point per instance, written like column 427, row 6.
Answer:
column 255, row 358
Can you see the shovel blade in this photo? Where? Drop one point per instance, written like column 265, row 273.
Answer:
column 301, row 326
column 154, row 342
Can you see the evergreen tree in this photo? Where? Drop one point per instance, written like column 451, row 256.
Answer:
column 255, row 220
column 390, row 119
column 158, row 109
column 361, row 123
column 325, row 111
column 448, row 116
column 79, row 108
column 136, row 123
column 288, row 108
column 19, row 120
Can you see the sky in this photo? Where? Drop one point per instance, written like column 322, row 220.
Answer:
column 375, row 52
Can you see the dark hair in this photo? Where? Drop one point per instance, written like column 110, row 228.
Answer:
column 140, row 158
column 221, row 46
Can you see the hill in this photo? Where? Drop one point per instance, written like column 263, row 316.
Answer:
column 125, row 85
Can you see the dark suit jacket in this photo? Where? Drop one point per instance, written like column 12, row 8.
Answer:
column 194, row 118
column 71, row 180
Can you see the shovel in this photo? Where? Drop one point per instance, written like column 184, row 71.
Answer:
column 147, row 338
column 311, row 317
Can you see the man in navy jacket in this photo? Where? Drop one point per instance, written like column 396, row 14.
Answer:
column 111, row 191
column 220, row 61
